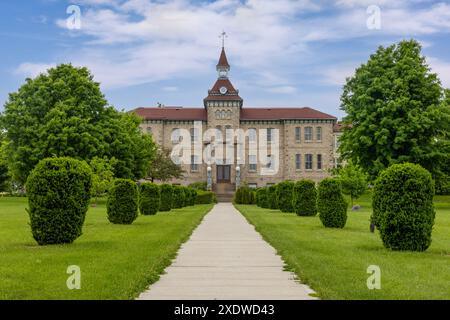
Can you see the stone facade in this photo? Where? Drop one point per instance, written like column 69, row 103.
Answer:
column 307, row 137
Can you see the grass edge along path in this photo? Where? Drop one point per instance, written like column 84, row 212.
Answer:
column 334, row 262
column 116, row 261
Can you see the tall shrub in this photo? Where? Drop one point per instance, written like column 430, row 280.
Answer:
column 403, row 207
column 331, row 204
column 261, row 198
column 122, row 203
column 304, row 199
column 192, row 196
column 59, row 191
column 166, row 191
column 178, row 197
column 272, row 200
column 149, row 198
column 284, row 196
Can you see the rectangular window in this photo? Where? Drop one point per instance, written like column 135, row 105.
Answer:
column 194, row 163
column 175, row 135
column 319, row 162
column 319, row 133
column 308, row 134
column 298, row 161
column 269, row 162
column 194, row 134
column 252, row 135
column 298, row 133
column 308, row 161
column 252, row 162
column 269, row 134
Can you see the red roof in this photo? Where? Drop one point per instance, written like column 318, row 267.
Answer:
column 172, row 113
column 214, row 93
column 223, row 61
column 200, row 114
column 283, row 114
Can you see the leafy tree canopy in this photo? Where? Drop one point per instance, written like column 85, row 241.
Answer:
column 162, row 167
column 64, row 113
column 353, row 180
column 396, row 112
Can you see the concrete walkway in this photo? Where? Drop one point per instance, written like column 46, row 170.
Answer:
column 225, row 258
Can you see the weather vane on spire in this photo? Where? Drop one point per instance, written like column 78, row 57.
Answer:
column 223, row 35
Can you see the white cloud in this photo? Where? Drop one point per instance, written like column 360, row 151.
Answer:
column 170, row 89
column 138, row 41
column 283, row 89
column 32, row 70
column 442, row 68
column 337, row 75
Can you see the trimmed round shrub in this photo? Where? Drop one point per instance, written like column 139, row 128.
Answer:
column 59, row 192
column 178, row 197
column 149, row 198
column 403, row 207
column 252, row 197
column 166, row 191
column 272, row 197
column 192, row 195
column 284, row 196
column 261, row 198
column 304, row 198
column 205, row 197
column 238, row 196
column 122, row 203
column 331, row 204
column 244, row 195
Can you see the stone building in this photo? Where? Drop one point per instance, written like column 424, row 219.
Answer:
column 307, row 137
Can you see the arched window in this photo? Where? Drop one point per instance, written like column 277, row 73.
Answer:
column 217, row 114
column 229, row 114
column 223, row 114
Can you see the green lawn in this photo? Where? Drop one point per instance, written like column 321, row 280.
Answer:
column 334, row 262
column 116, row 261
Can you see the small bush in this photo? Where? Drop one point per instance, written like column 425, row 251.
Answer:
column 244, row 195
column 284, row 196
column 198, row 186
column 178, row 197
column 122, row 203
column 272, row 197
column 166, row 191
column 59, row 192
column 261, row 198
column 403, row 207
column 149, row 199
column 192, row 196
column 205, row 197
column 331, row 204
column 304, row 198
column 237, row 198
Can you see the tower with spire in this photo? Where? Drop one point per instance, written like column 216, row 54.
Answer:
column 223, row 93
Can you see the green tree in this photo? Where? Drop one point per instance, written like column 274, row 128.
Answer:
column 4, row 172
column 103, row 175
column 353, row 181
column 162, row 167
column 396, row 112
column 64, row 113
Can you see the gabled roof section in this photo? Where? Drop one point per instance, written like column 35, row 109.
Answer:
column 172, row 113
column 284, row 114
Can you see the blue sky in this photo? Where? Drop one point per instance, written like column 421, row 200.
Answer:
column 282, row 53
